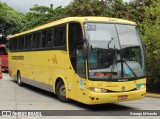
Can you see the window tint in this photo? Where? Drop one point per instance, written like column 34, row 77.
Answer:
column 36, row 40
column 3, row 51
column 74, row 35
column 75, row 50
column 10, row 44
column 47, row 38
column 59, row 36
column 14, row 44
column 53, row 37
column 21, row 43
column 44, row 38
column 56, row 36
column 28, row 42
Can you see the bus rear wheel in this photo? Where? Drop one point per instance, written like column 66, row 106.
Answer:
column 61, row 92
column 19, row 81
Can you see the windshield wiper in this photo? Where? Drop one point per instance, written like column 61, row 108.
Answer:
column 114, row 62
column 134, row 74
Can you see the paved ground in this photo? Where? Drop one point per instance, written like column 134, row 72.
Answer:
column 14, row 97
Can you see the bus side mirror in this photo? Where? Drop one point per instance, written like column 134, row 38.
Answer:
column 82, row 41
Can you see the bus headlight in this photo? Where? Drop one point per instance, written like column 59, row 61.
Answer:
column 98, row 90
column 140, row 86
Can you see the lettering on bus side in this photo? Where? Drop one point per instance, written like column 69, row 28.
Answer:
column 17, row 57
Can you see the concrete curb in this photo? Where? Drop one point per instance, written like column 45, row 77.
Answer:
column 153, row 95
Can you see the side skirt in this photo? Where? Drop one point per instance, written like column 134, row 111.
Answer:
column 37, row 84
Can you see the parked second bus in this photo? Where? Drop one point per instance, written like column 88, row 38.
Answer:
column 3, row 57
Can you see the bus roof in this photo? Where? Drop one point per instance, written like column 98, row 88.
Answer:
column 78, row 19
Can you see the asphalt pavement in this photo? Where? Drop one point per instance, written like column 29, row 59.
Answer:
column 28, row 98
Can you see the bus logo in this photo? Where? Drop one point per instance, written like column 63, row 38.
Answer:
column 54, row 59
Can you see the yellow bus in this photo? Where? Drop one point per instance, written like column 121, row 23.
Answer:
column 93, row 60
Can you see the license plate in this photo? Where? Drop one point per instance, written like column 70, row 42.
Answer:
column 122, row 97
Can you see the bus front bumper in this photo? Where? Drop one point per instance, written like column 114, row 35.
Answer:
column 102, row 98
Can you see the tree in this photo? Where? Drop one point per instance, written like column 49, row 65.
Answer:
column 85, row 8
column 10, row 20
column 151, row 39
column 40, row 15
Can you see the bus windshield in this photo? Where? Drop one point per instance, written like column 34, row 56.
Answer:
column 115, row 51
column 3, row 50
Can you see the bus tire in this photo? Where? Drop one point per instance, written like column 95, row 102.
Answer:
column 61, row 92
column 19, row 81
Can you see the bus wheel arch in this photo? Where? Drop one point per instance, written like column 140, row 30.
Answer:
column 60, row 90
column 19, row 79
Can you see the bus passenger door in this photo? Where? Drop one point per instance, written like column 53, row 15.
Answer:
column 76, row 58
column 81, row 75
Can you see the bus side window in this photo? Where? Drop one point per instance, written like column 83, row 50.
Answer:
column 44, row 39
column 28, row 42
column 36, row 40
column 14, row 44
column 60, row 36
column 56, row 36
column 17, row 44
column 10, row 44
column 49, row 38
column 21, row 43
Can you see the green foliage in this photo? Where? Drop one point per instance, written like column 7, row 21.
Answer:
column 85, row 8
column 151, row 39
column 10, row 20
column 39, row 15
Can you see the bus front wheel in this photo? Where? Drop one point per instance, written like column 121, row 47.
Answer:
column 61, row 92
